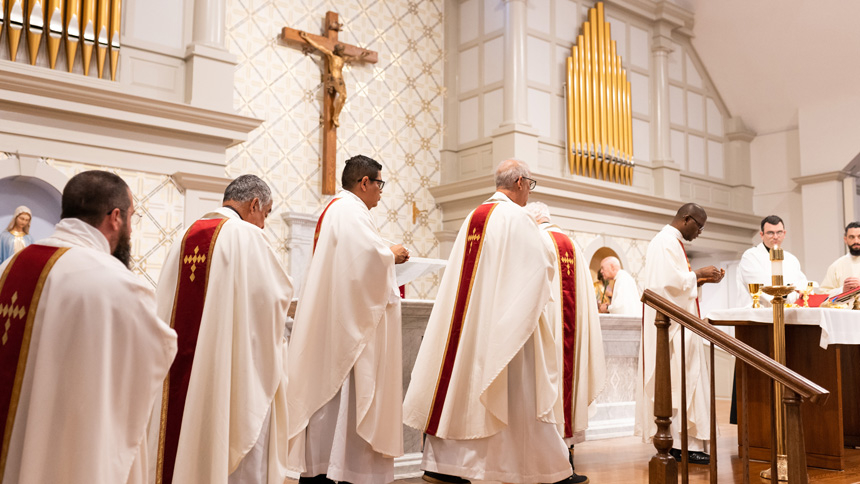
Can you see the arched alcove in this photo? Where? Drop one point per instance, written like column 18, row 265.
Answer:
column 31, row 182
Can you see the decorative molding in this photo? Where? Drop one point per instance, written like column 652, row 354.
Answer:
column 193, row 181
column 830, row 176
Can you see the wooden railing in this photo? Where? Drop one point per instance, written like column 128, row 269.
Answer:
column 662, row 468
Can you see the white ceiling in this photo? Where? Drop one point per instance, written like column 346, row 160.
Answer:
column 767, row 58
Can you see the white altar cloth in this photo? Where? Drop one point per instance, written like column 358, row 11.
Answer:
column 838, row 326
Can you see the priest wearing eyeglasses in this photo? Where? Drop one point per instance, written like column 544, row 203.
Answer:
column 755, row 265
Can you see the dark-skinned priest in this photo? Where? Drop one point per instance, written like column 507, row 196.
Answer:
column 668, row 273
column 346, row 384
column 485, row 382
column 83, row 354
column 223, row 417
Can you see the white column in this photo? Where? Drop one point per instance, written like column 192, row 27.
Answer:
column 209, row 22
column 667, row 175
column 516, row 86
column 209, row 67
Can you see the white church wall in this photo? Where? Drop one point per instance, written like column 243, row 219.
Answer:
column 775, row 162
column 393, row 112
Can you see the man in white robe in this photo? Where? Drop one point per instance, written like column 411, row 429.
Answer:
column 573, row 315
column 223, row 416
column 755, row 265
column 844, row 273
column 485, row 382
column 97, row 352
column 346, row 377
column 625, row 294
column 668, row 273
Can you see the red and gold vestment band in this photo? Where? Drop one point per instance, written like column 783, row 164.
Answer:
column 20, row 289
column 474, row 244
column 194, row 262
column 319, row 224
column 567, row 278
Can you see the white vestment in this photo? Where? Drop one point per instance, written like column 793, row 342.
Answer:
column 497, row 418
column 667, row 273
column 588, row 375
column 235, row 417
column 98, row 356
column 755, row 267
column 346, row 387
column 625, row 295
column 842, row 268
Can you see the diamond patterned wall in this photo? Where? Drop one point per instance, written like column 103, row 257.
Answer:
column 393, row 111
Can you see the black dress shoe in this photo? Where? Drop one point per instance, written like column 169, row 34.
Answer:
column 318, row 479
column 693, row 457
column 574, row 479
column 438, row 478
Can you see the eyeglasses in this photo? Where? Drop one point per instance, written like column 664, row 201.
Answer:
column 381, row 182
column 700, row 226
column 136, row 217
column 532, row 182
column 778, row 233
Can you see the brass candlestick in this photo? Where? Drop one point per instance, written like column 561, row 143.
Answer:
column 755, row 292
column 806, row 293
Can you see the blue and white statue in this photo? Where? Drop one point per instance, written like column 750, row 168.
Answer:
column 17, row 234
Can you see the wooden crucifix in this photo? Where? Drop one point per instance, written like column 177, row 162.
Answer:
column 336, row 55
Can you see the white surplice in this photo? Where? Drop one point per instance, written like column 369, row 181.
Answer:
column 498, row 420
column 755, row 267
column 98, row 356
column 668, row 274
column 346, row 353
column 235, row 417
column 842, row 268
column 625, row 295
column 589, row 362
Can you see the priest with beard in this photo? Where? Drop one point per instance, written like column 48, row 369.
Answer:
column 844, row 273
column 84, row 353
column 223, row 417
column 485, row 383
column 345, row 366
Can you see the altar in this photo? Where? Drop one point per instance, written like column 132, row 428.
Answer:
column 820, row 344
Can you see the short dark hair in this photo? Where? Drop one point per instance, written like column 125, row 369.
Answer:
column 852, row 225
column 91, row 195
column 246, row 188
column 358, row 167
column 773, row 220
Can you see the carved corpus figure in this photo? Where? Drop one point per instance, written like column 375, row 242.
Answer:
column 334, row 84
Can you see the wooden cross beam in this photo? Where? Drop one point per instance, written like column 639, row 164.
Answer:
column 335, row 54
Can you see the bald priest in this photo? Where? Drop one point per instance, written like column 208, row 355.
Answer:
column 223, row 415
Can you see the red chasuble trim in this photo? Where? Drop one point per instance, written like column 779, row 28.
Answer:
column 319, row 224
column 474, row 244
column 193, row 279
column 20, row 290
column 566, row 253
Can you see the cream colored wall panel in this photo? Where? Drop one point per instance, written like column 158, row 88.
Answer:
column 619, row 35
column 721, row 197
column 469, row 164
column 640, row 48
column 695, row 111
column 539, row 111
column 679, row 148
column 696, row 154
column 538, row 54
column 494, row 15
column 676, row 63
column 641, row 140
column 701, row 193
column 469, row 70
column 494, row 60
column 686, row 190
column 693, row 77
column 492, row 111
column 639, row 98
column 715, row 118
column 560, row 69
column 716, row 163
column 469, row 18
column 160, row 22
column 558, row 130
column 538, row 16
column 469, row 120
column 567, row 20
column 157, row 75
column 676, row 106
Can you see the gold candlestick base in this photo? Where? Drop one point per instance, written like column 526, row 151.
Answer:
column 781, row 469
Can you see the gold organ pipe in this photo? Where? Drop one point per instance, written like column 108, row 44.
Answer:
column 598, row 85
column 577, row 107
column 601, row 59
column 88, row 31
column 571, row 143
column 589, row 97
column 54, row 29
column 35, row 26
column 611, row 108
column 15, row 27
column 115, row 20
column 581, row 99
column 72, row 30
column 102, row 24
column 629, row 136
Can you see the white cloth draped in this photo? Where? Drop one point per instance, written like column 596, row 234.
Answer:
column 667, row 273
column 98, row 356
column 347, row 323
column 755, row 267
column 842, row 268
column 239, row 377
column 625, row 295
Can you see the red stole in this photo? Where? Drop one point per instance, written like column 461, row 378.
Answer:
column 319, row 224
column 20, row 289
column 567, row 277
column 474, row 244
column 194, row 264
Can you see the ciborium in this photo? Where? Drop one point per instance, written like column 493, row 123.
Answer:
column 755, row 292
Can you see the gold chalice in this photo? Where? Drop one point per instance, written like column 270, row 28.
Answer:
column 806, row 294
column 755, row 292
